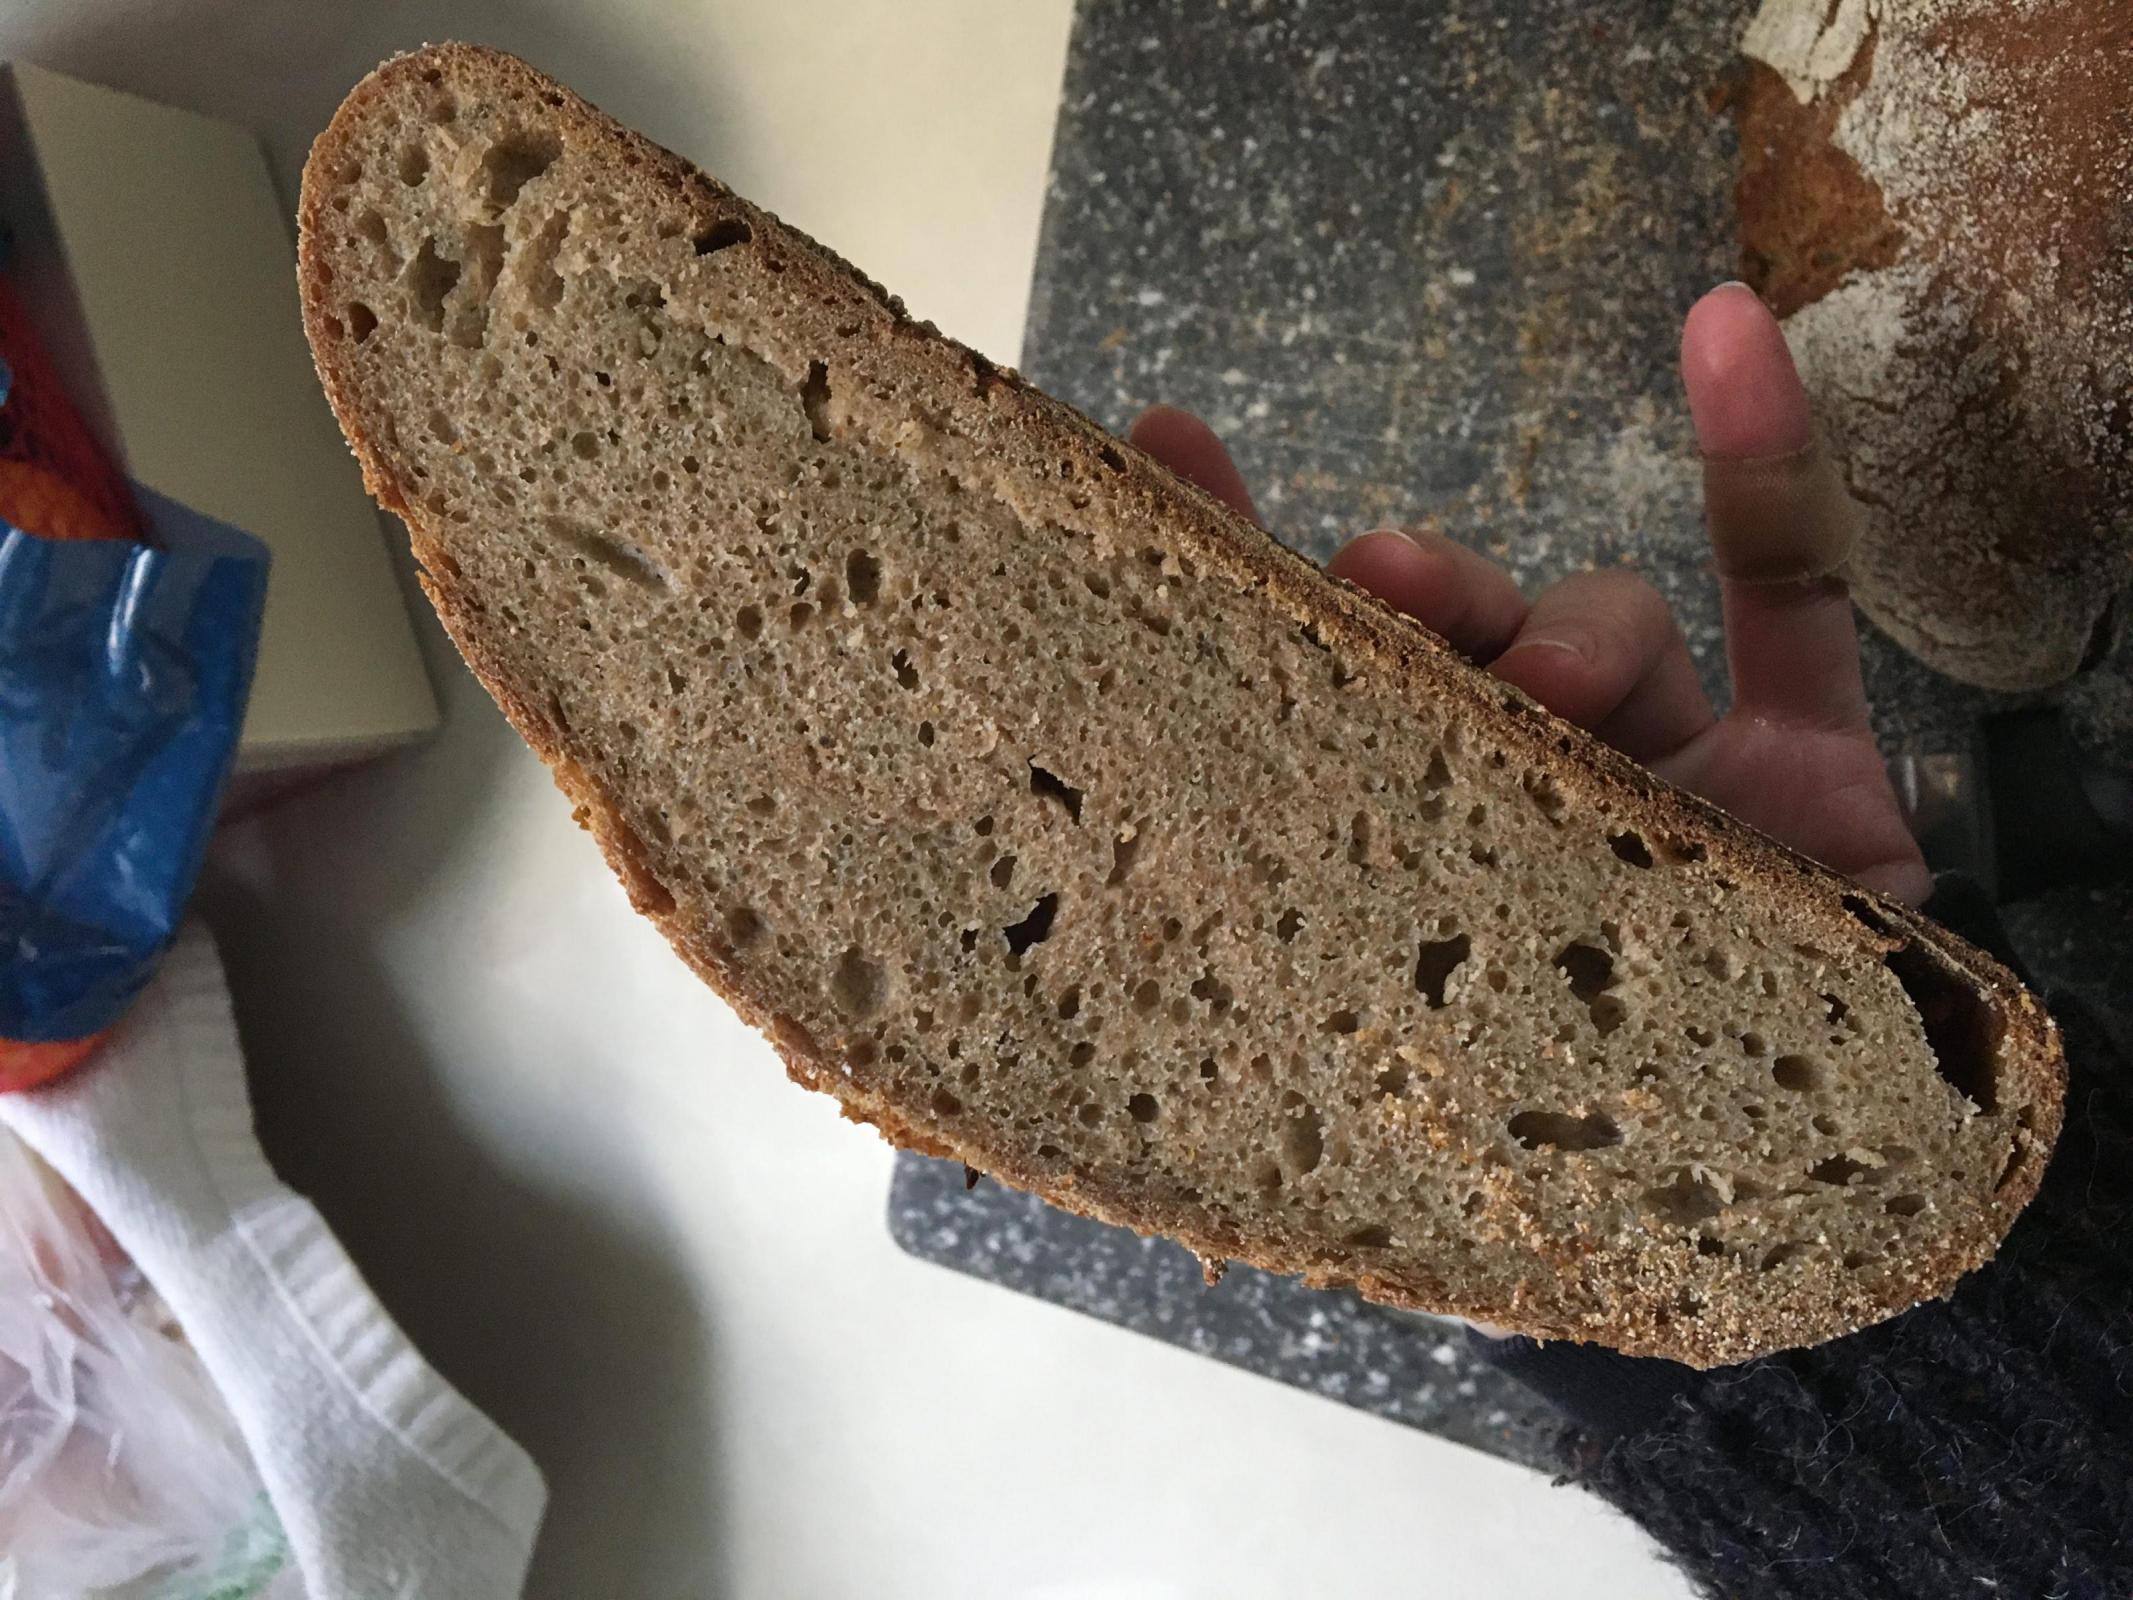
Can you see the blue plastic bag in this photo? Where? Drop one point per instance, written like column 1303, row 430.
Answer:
column 124, row 672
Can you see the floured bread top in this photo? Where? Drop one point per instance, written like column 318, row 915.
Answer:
column 1938, row 194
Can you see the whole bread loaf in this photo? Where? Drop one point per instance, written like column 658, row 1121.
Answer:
column 1937, row 196
column 1053, row 818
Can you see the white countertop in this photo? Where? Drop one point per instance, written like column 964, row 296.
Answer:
column 588, row 1190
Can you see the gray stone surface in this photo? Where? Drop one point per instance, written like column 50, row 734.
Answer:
column 1420, row 262
column 1416, row 1370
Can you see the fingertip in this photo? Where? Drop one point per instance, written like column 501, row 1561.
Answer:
column 1166, row 422
column 1195, row 452
column 1462, row 597
column 1559, row 671
column 1744, row 391
column 1385, row 561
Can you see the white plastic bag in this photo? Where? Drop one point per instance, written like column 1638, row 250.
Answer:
column 122, row 1475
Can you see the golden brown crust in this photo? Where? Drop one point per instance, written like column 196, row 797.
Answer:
column 1013, row 419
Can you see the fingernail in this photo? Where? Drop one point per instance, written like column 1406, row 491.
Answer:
column 1573, row 642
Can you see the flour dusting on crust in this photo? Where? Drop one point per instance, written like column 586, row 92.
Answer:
column 1977, row 374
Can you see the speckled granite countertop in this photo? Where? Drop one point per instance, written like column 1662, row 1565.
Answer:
column 1419, row 262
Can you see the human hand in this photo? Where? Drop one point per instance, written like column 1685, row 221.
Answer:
column 1795, row 755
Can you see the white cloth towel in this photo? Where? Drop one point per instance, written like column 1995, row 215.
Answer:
column 386, row 1481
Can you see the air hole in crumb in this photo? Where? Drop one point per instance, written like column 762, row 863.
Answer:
column 906, row 674
column 1147, row 995
column 1359, row 839
column 1213, row 992
column 1289, row 926
column 1873, row 920
column 1824, row 1125
column 1559, row 1130
column 430, row 279
column 1051, row 787
column 743, row 926
column 856, row 984
column 1904, row 1205
column 1800, row 1074
column 371, row 225
column 610, row 555
column 1754, row 1044
column 862, row 578
column 1837, row 1171
column 1783, row 1251
column 414, row 164
column 1686, row 1198
column 584, row 445
column 1393, row 1081
column 1544, row 792
column 516, row 160
column 1034, row 928
column 1630, row 847
column 2017, row 1152
column 815, row 399
column 1301, row 1136
column 1003, row 872
column 1082, row 1054
column 1962, row 1029
column 748, row 622
column 1439, row 959
column 925, row 734
column 1209, row 1072
column 362, row 321
column 723, row 234
column 1110, row 457
column 1341, row 1022
column 536, row 269
column 1143, row 1108
column 946, row 1104
column 1123, row 853
column 1070, row 1004
column 1371, row 1236
column 1590, row 969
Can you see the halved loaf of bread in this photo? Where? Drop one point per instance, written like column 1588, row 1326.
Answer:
column 1055, row 819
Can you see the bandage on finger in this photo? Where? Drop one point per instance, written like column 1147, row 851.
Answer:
column 1781, row 519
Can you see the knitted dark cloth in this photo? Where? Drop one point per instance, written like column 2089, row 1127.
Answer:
column 1980, row 1445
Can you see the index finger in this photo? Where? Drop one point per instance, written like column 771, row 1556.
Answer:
column 1780, row 519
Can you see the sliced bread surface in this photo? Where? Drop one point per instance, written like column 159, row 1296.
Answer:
column 1053, row 818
